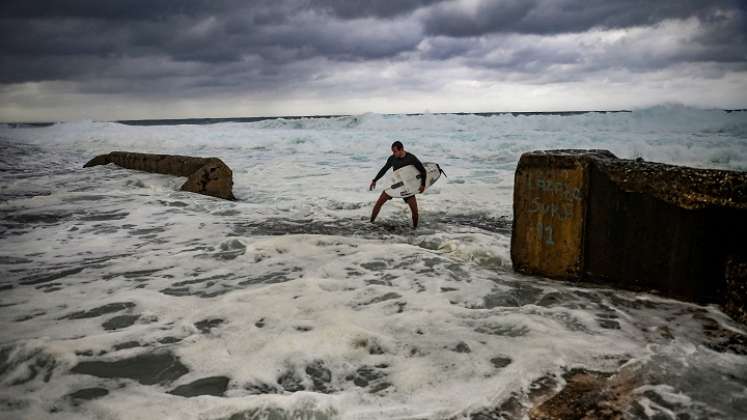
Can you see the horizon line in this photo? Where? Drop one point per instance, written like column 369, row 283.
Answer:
column 216, row 120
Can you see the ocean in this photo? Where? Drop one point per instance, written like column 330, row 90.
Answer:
column 124, row 298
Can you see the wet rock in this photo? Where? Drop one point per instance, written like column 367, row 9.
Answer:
column 119, row 322
column 374, row 348
column 213, row 385
column 275, row 413
column 382, row 298
column 177, row 291
column 379, row 387
column 588, row 394
column 366, row 375
column 37, row 364
column 542, row 387
column 260, row 323
column 11, row 404
column 169, row 340
column 290, row 382
column 374, row 265
column 553, row 299
column 229, row 250
column 609, row 324
column 87, row 394
column 462, row 347
column 136, row 274
column 45, row 278
column 506, row 330
column 101, row 310
column 10, row 260
column 511, row 408
column 371, row 344
column 103, row 217
column 721, row 339
column 29, row 316
column 207, row 176
column 148, row 369
column 126, row 345
column 5, row 353
column 514, row 297
column 261, row 388
column 500, row 362
column 320, row 376
column 270, row 278
column 208, row 324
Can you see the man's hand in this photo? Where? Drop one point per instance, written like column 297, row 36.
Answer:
column 372, row 186
column 422, row 188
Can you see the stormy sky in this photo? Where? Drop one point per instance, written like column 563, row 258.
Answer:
column 94, row 59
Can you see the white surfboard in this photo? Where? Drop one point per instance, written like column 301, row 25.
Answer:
column 405, row 181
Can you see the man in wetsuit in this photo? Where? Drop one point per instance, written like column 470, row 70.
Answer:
column 399, row 159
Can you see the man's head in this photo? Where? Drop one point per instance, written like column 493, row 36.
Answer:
column 398, row 150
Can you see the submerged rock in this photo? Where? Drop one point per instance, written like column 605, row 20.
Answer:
column 208, row 324
column 213, row 385
column 100, row 310
column 119, row 322
column 320, row 376
column 87, row 394
column 148, row 369
column 290, row 382
column 500, row 362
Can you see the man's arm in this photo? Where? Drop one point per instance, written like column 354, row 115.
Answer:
column 384, row 169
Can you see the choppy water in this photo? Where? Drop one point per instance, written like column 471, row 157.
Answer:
column 121, row 297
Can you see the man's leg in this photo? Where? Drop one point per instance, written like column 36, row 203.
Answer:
column 413, row 203
column 383, row 198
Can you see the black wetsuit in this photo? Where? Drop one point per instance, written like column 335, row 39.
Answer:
column 396, row 163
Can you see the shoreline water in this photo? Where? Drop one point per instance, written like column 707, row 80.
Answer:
column 289, row 301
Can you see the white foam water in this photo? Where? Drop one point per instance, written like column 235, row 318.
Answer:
column 122, row 297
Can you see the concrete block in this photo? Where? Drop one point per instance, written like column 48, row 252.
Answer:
column 587, row 215
column 550, row 204
column 207, row 176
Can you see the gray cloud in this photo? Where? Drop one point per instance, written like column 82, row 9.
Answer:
column 202, row 47
column 367, row 8
column 474, row 18
column 113, row 10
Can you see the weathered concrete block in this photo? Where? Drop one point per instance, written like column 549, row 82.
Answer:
column 550, row 203
column 207, row 176
column 588, row 215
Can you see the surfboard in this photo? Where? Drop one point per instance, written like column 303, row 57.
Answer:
column 405, row 181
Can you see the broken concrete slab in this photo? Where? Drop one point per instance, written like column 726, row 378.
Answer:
column 207, row 176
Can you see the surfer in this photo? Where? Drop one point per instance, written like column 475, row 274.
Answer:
column 399, row 158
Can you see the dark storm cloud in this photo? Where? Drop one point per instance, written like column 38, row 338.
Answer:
column 165, row 46
column 368, row 8
column 473, row 18
column 114, row 10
